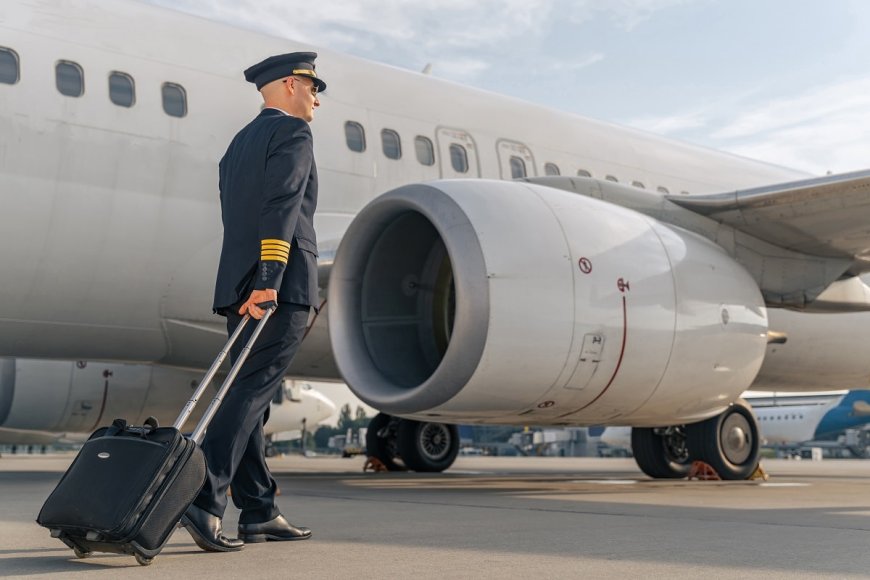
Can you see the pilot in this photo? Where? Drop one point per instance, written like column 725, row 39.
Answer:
column 268, row 194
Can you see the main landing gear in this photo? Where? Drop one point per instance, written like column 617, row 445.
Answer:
column 728, row 442
column 421, row 446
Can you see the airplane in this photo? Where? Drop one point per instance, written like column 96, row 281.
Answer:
column 47, row 402
column 788, row 421
column 794, row 424
column 483, row 260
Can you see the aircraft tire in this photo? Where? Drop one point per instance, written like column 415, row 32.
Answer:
column 656, row 455
column 427, row 447
column 381, row 441
column 728, row 442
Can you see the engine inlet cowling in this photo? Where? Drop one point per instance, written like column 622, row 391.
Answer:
column 398, row 301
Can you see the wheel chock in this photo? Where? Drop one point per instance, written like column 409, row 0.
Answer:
column 374, row 464
column 759, row 473
column 703, row 472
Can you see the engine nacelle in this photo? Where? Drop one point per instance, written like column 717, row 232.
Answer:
column 509, row 302
column 78, row 396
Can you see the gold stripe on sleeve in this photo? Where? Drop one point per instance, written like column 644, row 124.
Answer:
column 273, row 258
column 276, row 242
column 272, row 247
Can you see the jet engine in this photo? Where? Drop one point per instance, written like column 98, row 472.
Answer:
column 510, row 302
column 78, row 396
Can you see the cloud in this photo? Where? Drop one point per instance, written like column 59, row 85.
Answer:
column 573, row 65
column 846, row 99
column 451, row 23
column 836, row 144
column 460, row 69
column 824, row 129
column 626, row 14
column 455, row 35
column 670, row 124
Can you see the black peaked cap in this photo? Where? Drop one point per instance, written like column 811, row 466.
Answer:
column 284, row 65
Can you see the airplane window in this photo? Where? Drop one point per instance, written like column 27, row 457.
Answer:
column 458, row 158
column 583, row 173
column 551, row 169
column 8, row 66
column 70, row 79
column 611, row 178
column 122, row 91
column 425, row 151
column 518, row 167
column 355, row 136
column 391, row 143
column 661, row 189
column 684, row 193
column 174, row 100
column 638, row 184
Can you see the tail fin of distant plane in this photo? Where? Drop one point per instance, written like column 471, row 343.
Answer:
column 852, row 410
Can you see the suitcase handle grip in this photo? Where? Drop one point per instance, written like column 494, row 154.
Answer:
column 199, row 431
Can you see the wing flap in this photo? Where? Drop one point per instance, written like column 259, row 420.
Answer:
column 825, row 216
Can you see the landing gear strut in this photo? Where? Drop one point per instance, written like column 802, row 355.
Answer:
column 661, row 452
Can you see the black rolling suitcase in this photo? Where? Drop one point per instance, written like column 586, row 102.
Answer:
column 129, row 486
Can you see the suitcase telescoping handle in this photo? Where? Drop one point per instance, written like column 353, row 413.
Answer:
column 199, row 431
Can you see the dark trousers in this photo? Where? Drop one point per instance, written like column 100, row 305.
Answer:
column 234, row 445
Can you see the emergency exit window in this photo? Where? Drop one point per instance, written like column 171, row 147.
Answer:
column 425, row 150
column 518, row 167
column 458, row 158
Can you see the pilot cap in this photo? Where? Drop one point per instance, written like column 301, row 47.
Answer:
column 284, row 65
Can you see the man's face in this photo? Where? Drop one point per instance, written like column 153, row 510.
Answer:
column 302, row 97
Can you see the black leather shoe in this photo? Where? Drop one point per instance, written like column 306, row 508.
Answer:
column 278, row 530
column 206, row 531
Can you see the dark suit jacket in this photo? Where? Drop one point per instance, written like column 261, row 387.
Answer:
column 268, row 193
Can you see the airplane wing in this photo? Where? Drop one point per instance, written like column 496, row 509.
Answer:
column 825, row 216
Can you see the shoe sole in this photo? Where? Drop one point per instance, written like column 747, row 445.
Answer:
column 260, row 538
column 201, row 541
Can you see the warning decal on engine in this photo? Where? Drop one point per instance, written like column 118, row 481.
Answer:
column 592, row 347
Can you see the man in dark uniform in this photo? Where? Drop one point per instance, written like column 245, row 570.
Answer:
column 268, row 193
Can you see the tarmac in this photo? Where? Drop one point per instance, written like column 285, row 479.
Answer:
column 496, row 518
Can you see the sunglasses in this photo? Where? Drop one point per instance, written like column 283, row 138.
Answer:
column 312, row 88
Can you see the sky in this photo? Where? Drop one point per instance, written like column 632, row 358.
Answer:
column 785, row 81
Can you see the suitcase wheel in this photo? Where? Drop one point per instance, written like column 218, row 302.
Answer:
column 81, row 553
column 143, row 560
